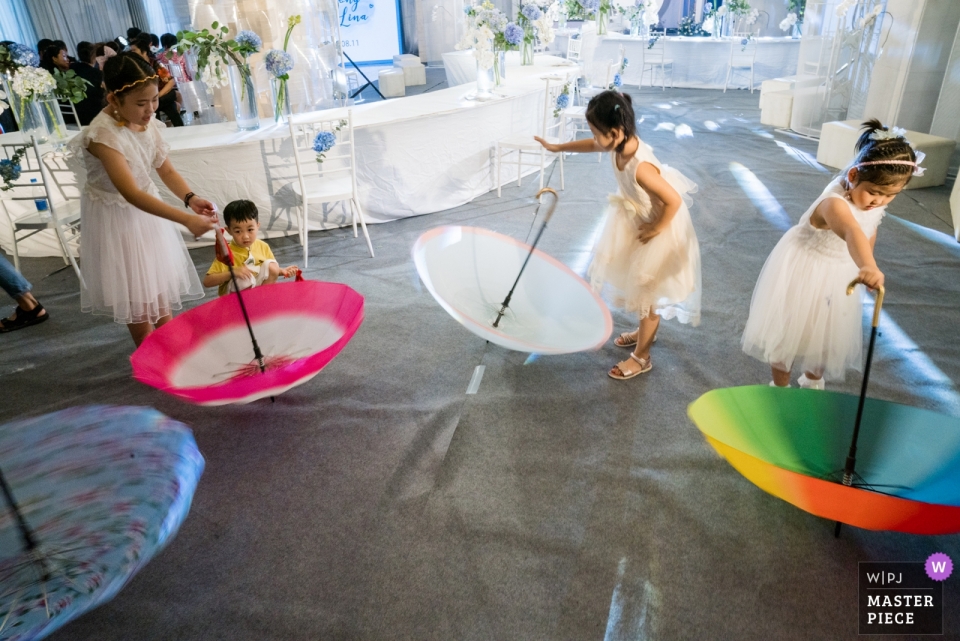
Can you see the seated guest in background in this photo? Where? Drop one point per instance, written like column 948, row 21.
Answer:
column 42, row 45
column 170, row 55
column 105, row 51
column 54, row 57
column 168, row 98
column 154, row 44
column 29, row 311
column 132, row 33
column 85, row 67
column 63, row 45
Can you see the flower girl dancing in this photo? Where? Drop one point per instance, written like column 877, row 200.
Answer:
column 800, row 309
column 135, row 262
column 648, row 252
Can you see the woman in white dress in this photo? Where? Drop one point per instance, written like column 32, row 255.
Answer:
column 135, row 263
column 800, row 308
column 648, row 252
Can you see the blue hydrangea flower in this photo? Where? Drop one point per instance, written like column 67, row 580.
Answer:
column 626, row 61
column 23, row 55
column 563, row 101
column 278, row 62
column 324, row 141
column 513, row 34
column 591, row 5
column 8, row 171
column 617, row 81
column 249, row 40
column 744, row 42
column 531, row 12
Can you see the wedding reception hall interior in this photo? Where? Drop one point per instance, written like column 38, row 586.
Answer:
column 467, row 465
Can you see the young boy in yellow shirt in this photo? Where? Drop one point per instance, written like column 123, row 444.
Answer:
column 253, row 262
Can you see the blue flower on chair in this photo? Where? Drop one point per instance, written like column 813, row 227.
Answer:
column 323, row 142
column 617, row 81
column 563, row 101
column 9, row 172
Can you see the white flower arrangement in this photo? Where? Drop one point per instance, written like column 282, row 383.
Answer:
column 787, row 23
column 33, row 82
column 868, row 19
column 753, row 16
column 844, row 7
column 483, row 25
column 3, row 105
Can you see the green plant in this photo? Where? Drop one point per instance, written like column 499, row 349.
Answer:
column 214, row 54
column 70, row 86
column 797, row 7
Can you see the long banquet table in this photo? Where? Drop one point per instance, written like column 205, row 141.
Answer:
column 416, row 155
column 702, row 62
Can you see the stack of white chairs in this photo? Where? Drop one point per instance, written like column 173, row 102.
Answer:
column 525, row 146
column 332, row 181
column 36, row 183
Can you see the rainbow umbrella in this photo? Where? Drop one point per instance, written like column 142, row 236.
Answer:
column 509, row 293
column 89, row 496
column 205, row 355
column 901, row 473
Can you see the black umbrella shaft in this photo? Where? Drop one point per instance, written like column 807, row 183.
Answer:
column 29, row 542
column 243, row 308
column 852, row 455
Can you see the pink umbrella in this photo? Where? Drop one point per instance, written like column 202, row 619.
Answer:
column 205, row 356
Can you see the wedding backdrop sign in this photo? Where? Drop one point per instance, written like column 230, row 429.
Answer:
column 370, row 30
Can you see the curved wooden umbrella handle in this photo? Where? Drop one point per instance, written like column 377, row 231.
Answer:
column 879, row 304
column 553, row 206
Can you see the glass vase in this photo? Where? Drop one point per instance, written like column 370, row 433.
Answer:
column 484, row 82
column 243, row 89
column 562, row 18
column 281, row 99
column 499, row 67
column 601, row 23
column 526, row 52
column 797, row 30
column 41, row 118
column 635, row 26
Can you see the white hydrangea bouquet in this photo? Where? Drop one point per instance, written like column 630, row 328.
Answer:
column 35, row 83
column 484, row 33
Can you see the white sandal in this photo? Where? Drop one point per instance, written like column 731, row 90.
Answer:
column 645, row 366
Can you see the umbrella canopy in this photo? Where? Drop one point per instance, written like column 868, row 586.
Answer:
column 204, row 356
column 102, row 489
column 792, row 443
column 470, row 270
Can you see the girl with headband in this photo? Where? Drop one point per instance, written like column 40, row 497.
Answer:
column 800, row 312
column 134, row 262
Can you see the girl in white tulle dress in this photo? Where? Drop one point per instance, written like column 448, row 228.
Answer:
column 135, row 264
column 800, row 309
column 648, row 253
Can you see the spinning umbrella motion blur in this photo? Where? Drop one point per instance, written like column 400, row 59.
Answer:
column 90, row 495
column 251, row 345
column 900, row 474
column 509, row 293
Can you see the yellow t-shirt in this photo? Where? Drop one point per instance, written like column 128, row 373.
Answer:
column 260, row 251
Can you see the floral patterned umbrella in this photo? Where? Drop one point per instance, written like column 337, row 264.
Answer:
column 91, row 494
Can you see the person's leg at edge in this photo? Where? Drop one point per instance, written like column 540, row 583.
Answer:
column 781, row 375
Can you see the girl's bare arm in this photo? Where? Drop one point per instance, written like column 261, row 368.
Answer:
column 648, row 177
column 584, row 145
column 838, row 217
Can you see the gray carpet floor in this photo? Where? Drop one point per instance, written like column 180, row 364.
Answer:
column 380, row 501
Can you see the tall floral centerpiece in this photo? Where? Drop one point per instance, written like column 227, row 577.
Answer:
column 527, row 17
column 794, row 21
column 12, row 58
column 743, row 14
column 38, row 112
column 222, row 61
column 279, row 64
column 713, row 19
column 486, row 33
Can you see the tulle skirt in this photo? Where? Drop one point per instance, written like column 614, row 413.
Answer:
column 801, row 312
column 662, row 276
column 136, row 266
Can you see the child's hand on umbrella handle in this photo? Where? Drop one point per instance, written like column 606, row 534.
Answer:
column 871, row 276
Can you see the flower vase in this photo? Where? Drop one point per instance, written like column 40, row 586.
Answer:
column 797, row 30
column 41, row 118
column 281, row 100
column 526, row 52
column 635, row 27
column 717, row 27
column 562, row 18
column 499, row 67
column 243, row 89
column 484, row 82
column 601, row 23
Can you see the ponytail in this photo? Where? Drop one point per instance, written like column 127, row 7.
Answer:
column 884, row 156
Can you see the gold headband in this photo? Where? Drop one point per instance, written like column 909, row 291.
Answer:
column 134, row 84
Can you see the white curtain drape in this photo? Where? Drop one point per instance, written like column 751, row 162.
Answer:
column 15, row 23
column 76, row 20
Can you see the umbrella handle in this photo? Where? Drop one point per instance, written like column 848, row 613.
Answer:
column 556, row 199
column 879, row 304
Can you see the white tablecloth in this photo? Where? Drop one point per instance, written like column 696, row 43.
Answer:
column 416, row 155
column 702, row 62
